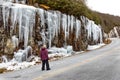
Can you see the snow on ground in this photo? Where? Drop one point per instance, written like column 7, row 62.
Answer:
column 54, row 53
column 15, row 65
column 93, row 47
column 60, row 52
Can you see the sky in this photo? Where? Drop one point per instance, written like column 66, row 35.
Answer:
column 105, row 6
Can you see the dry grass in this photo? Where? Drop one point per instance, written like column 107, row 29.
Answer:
column 107, row 41
column 2, row 70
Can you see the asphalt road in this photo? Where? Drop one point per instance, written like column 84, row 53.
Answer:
column 100, row 64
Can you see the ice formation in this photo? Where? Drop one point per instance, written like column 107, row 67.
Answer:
column 115, row 32
column 55, row 20
column 15, row 41
column 94, row 31
column 4, row 59
column 23, row 55
column 24, row 17
column 16, row 1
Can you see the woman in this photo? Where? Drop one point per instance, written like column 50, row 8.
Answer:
column 44, row 58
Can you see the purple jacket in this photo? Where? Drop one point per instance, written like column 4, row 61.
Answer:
column 44, row 54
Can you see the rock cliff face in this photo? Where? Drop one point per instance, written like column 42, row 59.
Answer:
column 115, row 32
column 22, row 26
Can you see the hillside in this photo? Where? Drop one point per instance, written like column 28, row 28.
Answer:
column 108, row 21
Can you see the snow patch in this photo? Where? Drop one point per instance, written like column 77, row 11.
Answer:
column 93, row 47
column 15, row 65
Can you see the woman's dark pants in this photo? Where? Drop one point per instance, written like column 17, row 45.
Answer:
column 45, row 62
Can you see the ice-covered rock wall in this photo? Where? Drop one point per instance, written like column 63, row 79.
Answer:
column 115, row 32
column 15, row 1
column 27, row 25
column 94, row 32
column 21, row 16
column 58, row 22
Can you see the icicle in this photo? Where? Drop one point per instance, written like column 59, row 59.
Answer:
column 15, row 41
column 53, row 21
column 31, row 22
column 72, row 22
column 78, row 27
column 5, row 12
column 14, row 13
column 101, row 36
column 26, row 34
column 43, row 36
column 64, row 24
column 55, row 24
column 69, row 22
column 7, row 15
column 20, row 24
column 28, row 52
column 94, row 31
column 49, row 22
column 116, row 33
column 25, row 20
column 59, row 20
column 42, row 17
column 89, row 29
